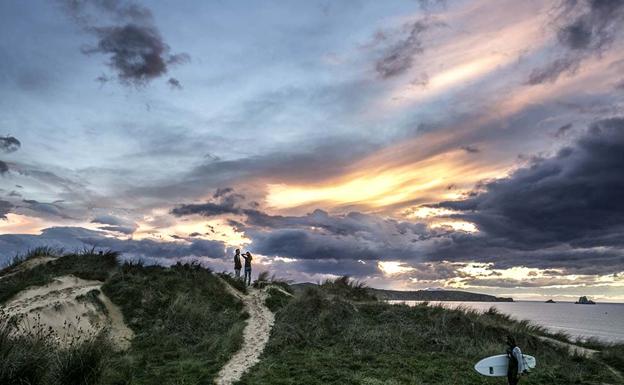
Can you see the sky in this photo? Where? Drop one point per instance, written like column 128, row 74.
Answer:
column 458, row 144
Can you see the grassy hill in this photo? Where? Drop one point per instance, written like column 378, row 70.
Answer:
column 322, row 337
column 186, row 325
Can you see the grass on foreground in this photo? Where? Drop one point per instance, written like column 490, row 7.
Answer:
column 322, row 338
column 187, row 325
column 86, row 264
column 185, row 322
column 35, row 357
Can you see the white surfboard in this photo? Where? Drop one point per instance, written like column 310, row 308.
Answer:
column 496, row 366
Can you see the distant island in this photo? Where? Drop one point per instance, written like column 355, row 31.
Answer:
column 550, row 301
column 436, row 295
column 423, row 295
column 584, row 301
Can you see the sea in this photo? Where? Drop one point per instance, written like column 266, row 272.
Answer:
column 604, row 321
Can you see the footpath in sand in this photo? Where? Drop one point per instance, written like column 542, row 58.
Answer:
column 255, row 336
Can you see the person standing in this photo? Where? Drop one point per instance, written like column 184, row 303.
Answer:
column 237, row 263
column 248, row 258
column 516, row 362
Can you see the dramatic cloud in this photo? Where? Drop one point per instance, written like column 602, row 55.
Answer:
column 136, row 49
column 585, row 27
column 573, row 197
column 9, row 144
column 76, row 238
column 4, row 168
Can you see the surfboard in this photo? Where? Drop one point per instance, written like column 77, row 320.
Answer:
column 496, row 366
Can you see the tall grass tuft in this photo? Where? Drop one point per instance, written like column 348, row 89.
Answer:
column 348, row 288
column 264, row 280
column 38, row 356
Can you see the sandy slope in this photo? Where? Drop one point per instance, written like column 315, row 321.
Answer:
column 58, row 305
column 255, row 336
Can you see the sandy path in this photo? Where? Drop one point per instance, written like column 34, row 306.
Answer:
column 255, row 336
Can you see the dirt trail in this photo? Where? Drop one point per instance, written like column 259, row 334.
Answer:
column 255, row 336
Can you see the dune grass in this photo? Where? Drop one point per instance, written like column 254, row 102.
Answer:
column 186, row 324
column 38, row 356
column 86, row 264
column 320, row 337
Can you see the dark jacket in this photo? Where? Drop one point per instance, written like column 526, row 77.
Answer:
column 237, row 262
column 247, row 261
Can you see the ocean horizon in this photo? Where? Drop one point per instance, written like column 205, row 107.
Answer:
column 602, row 321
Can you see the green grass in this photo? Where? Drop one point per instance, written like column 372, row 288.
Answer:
column 614, row 356
column 236, row 283
column 276, row 299
column 322, row 338
column 186, row 323
column 86, row 265
column 34, row 358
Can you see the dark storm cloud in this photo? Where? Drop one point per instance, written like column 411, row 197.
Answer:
column 226, row 201
column 573, row 197
column 75, row 238
column 584, row 28
column 137, row 51
column 9, row 144
column 562, row 212
column 317, row 235
column 4, row 168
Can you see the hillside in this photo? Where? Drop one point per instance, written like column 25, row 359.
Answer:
column 191, row 326
column 422, row 295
